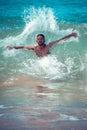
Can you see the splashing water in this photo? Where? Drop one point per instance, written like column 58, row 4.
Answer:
column 40, row 20
column 61, row 65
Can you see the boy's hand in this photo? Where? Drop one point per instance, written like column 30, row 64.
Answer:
column 74, row 34
column 9, row 47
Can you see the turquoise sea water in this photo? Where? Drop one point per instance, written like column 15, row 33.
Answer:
column 36, row 91
column 69, row 56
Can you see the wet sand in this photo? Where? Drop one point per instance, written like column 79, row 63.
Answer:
column 43, row 125
column 33, row 104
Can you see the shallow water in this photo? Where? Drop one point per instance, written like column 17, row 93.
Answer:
column 28, row 103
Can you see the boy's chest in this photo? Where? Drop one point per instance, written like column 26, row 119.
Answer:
column 41, row 51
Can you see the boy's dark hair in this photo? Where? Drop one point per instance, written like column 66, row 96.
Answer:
column 41, row 35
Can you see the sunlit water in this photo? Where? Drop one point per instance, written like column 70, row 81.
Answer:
column 49, row 92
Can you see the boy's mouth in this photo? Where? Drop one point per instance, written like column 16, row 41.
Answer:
column 40, row 43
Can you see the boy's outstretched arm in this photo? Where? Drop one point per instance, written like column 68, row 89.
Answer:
column 64, row 38
column 20, row 47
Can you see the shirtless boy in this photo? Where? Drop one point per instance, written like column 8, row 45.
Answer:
column 42, row 49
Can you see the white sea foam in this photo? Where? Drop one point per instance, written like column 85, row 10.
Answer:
column 50, row 67
column 47, row 67
column 67, row 117
column 5, row 107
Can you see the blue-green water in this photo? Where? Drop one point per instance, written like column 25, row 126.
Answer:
column 67, row 59
column 39, row 93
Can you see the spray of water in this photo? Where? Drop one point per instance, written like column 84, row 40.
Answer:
column 36, row 21
column 40, row 20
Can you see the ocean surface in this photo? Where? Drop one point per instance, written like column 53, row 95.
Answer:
column 49, row 92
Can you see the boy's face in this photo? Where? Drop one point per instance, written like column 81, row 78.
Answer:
column 40, row 40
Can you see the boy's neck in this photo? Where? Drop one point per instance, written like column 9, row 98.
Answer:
column 43, row 45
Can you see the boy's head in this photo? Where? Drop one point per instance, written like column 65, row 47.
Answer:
column 40, row 39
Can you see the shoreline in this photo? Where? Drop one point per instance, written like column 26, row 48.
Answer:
column 32, row 104
column 61, row 125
